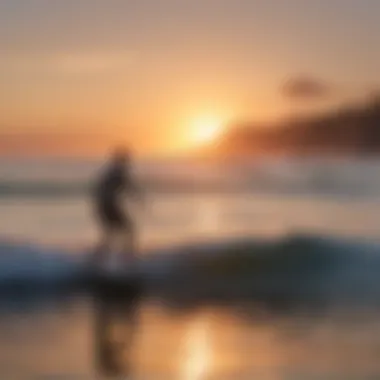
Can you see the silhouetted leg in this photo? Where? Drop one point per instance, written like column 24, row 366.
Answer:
column 129, row 244
column 101, row 251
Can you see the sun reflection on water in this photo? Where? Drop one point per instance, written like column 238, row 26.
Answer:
column 197, row 350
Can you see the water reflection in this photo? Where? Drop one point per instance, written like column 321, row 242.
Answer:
column 116, row 321
column 197, row 355
column 149, row 339
column 138, row 339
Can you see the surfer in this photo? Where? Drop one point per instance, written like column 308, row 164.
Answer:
column 115, row 222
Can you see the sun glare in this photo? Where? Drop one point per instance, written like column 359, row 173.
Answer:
column 206, row 129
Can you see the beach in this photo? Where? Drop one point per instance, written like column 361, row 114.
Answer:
column 274, row 277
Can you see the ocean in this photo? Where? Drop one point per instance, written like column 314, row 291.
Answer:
column 306, row 307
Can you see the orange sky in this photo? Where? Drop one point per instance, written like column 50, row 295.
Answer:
column 79, row 76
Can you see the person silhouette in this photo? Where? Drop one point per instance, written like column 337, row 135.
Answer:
column 115, row 222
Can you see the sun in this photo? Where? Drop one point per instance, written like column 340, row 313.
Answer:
column 206, row 129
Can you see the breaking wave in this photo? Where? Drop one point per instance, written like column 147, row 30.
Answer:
column 295, row 266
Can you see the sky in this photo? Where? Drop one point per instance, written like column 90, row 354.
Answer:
column 79, row 75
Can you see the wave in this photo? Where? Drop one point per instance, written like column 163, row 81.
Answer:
column 298, row 267
column 78, row 189
column 31, row 265
column 250, row 182
column 315, row 176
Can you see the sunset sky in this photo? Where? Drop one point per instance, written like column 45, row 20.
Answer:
column 78, row 75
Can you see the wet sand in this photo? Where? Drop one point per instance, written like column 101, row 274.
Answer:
column 156, row 339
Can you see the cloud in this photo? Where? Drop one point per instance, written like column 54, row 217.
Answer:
column 306, row 88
